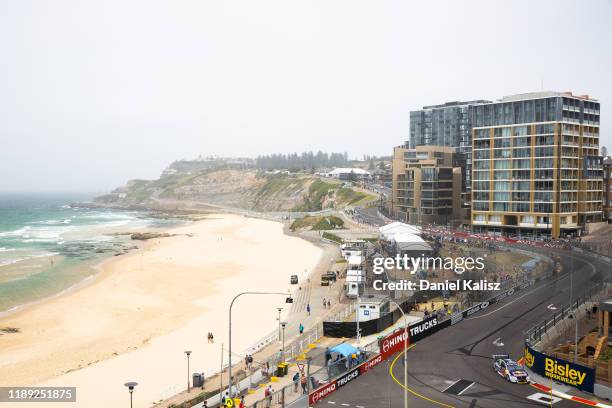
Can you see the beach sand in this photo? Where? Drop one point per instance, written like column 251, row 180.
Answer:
column 136, row 318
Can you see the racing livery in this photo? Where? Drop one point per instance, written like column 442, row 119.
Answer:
column 510, row 369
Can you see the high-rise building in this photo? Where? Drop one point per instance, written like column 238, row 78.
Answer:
column 427, row 182
column 448, row 124
column 536, row 166
column 607, row 189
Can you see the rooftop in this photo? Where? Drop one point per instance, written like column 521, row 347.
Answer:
column 544, row 94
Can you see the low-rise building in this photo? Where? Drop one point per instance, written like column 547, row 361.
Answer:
column 427, row 183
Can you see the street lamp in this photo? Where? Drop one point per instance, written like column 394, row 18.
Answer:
column 405, row 353
column 188, row 353
column 283, row 324
column 280, row 309
column 289, row 299
column 130, row 385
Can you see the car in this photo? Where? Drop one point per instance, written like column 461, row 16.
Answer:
column 294, row 279
column 510, row 369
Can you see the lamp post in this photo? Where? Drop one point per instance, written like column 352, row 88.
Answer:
column 283, row 324
column 287, row 300
column 280, row 309
column 188, row 353
column 131, row 385
column 405, row 353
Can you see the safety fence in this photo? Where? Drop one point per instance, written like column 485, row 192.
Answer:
column 418, row 331
column 316, row 378
column 535, row 333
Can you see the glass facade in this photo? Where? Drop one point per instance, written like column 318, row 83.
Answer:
column 450, row 125
column 536, row 163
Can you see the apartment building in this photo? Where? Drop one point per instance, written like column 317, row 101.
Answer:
column 536, row 169
column 607, row 189
column 448, row 124
column 427, row 182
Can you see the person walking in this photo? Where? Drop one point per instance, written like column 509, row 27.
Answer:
column 301, row 328
column 304, row 383
column 296, row 381
column 268, row 395
column 308, row 309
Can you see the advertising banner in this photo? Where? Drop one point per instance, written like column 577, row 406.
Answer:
column 334, row 385
column 560, row 370
column 393, row 343
column 371, row 363
column 426, row 327
column 474, row 309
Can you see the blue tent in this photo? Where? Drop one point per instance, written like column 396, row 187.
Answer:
column 344, row 349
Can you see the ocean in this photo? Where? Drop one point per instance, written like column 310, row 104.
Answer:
column 47, row 247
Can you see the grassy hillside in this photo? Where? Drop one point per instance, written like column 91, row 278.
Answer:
column 318, row 223
column 235, row 188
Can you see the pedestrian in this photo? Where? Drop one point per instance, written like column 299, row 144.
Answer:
column 225, row 396
column 328, row 304
column 308, row 309
column 296, row 381
column 301, row 327
column 304, row 383
column 241, row 405
column 205, row 404
column 324, row 303
column 268, row 395
column 212, row 337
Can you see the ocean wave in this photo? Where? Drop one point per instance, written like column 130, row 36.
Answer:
column 54, row 222
column 11, row 261
column 3, row 249
column 16, row 233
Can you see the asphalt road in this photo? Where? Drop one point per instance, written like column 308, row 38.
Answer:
column 463, row 351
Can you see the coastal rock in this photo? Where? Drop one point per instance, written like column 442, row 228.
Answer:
column 143, row 236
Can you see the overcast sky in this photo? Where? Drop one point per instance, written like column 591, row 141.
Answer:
column 93, row 93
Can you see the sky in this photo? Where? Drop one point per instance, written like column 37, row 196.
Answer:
column 95, row 93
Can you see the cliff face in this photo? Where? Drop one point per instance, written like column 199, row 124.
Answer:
column 246, row 189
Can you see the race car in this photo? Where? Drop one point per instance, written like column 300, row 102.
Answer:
column 510, row 369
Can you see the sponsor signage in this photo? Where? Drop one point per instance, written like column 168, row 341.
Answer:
column 371, row 363
column 393, row 343
column 456, row 317
column 334, row 385
column 426, row 327
column 560, row 370
column 322, row 392
column 502, row 295
column 474, row 309
column 420, row 329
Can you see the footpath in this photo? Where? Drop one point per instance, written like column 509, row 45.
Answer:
column 308, row 292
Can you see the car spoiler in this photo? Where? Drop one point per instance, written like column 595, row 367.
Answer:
column 500, row 356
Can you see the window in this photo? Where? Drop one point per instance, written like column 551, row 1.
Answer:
column 480, row 206
column 501, row 164
column 527, row 219
column 520, row 131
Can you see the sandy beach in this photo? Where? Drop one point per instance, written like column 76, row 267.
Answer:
column 133, row 321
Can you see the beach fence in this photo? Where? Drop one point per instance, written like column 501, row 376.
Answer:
column 321, row 375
